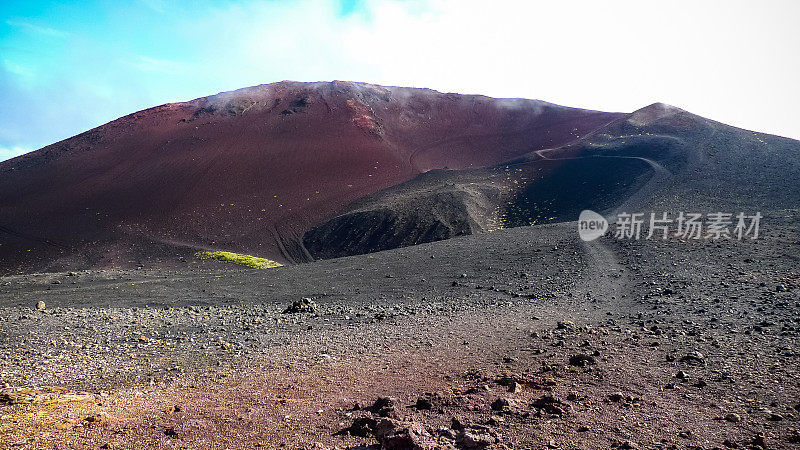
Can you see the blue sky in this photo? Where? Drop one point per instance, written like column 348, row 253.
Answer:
column 68, row 66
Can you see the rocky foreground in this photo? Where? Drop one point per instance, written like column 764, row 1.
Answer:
column 522, row 338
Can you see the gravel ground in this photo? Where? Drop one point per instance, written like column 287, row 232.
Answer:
column 521, row 338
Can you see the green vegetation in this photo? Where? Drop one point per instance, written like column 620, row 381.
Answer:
column 236, row 258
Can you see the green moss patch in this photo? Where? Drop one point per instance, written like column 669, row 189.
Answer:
column 236, row 258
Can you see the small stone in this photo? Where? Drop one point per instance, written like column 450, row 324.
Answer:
column 394, row 435
column 581, row 360
column 549, row 404
column 495, row 421
column 383, row 402
column 730, row 444
column 361, row 427
column 304, row 305
column 384, row 406
column 499, row 404
column 423, row 403
column 40, row 305
column 760, row 441
column 616, row 397
column 694, row 358
column 733, row 417
column 471, row 440
column 681, row 375
column 565, row 325
column 775, row 417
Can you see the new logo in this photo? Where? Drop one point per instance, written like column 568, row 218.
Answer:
column 591, row 225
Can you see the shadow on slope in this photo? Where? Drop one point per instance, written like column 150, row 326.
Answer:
column 442, row 205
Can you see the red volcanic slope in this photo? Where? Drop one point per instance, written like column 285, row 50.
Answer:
column 250, row 170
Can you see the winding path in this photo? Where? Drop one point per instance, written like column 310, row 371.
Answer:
column 606, row 278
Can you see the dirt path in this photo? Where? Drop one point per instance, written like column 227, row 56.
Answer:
column 658, row 168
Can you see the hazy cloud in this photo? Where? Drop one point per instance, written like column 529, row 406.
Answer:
column 155, row 5
column 8, row 153
column 38, row 115
column 36, row 29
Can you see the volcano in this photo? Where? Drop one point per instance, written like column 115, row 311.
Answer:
column 294, row 172
column 252, row 170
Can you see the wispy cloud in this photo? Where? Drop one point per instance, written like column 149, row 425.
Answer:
column 17, row 69
column 155, row 5
column 38, row 113
column 37, row 29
